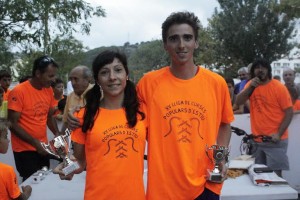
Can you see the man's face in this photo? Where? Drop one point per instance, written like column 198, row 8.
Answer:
column 5, row 82
column 243, row 75
column 48, row 76
column 180, row 44
column 288, row 77
column 79, row 82
column 261, row 72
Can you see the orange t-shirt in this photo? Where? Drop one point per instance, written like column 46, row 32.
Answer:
column 9, row 188
column 114, row 156
column 267, row 105
column 296, row 105
column 5, row 95
column 183, row 118
column 34, row 106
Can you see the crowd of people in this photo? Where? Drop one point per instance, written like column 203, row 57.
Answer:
column 180, row 110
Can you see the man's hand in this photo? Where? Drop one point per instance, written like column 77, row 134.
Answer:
column 275, row 138
column 62, row 176
column 26, row 192
column 255, row 82
column 73, row 122
column 39, row 148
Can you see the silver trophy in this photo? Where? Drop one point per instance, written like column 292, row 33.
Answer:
column 60, row 147
column 216, row 154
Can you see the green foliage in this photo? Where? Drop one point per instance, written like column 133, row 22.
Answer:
column 67, row 52
column 6, row 58
column 35, row 21
column 248, row 29
column 290, row 7
column 148, row 56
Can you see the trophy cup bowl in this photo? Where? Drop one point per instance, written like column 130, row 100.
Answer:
column 217, row 154
column 60, row 147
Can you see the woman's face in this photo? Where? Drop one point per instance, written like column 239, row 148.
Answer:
column 112, row 78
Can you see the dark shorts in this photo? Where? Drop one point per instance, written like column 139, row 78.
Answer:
column 208, row 195
column 28, row 162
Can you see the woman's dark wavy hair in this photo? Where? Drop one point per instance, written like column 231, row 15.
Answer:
column 261, row 62
column 131, row 103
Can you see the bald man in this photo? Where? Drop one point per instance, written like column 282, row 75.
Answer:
column 80, row 78
column 289, row 79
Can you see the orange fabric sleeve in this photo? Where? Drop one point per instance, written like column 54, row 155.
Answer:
column 9, row 188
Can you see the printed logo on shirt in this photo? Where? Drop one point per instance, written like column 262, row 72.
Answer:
column 184, row 119
column 40, row 111
column 120, row 141
column 258, row 102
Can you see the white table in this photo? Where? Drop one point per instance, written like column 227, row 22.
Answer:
column 52, row 188
column 243, row 188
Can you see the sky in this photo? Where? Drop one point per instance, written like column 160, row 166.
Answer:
column 135, row 21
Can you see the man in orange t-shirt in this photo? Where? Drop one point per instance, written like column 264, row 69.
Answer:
column 188, row 109
column 271, row 113
column 30, row 109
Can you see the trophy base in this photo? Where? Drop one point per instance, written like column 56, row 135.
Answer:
column 70, row 168
column 214, row 177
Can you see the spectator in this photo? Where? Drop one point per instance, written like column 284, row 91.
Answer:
column 30, row 109
column 24, row 78
column 277, row 77
column 295, row 99
column 5, row 81
column 289, row 79
column 112, row 139
column 9, row 188
column 188, row 108
column 58, row 90
column 271, row 113
column 236, row 109
column 244, row 76
column 69, row 87
column 80, row 78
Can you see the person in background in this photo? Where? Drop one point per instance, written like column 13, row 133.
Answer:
column 69, row 87
column 288, row 76
column 188, row 109
column 236, row 109
column 5, row 81
column 9, row 188
column 295, row 99
column 30, row 110
column 271, row 113
column 111, row 141
column 230, row 84
column 58, row 90
column 24, row 78
column 277, row 77
column 244, row 76
column 80, row 77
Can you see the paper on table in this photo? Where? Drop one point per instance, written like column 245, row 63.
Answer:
column 240, row 164
column 264, row 179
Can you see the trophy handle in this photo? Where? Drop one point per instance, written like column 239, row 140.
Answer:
column 47, row 147
column 67, row 136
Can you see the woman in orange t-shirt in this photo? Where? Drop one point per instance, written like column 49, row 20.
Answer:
column 111, row 141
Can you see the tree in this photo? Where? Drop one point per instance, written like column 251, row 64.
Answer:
column 248, row 29
column 6, row 58
column 37, row 20
column 290, row 7
column 67, row 52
